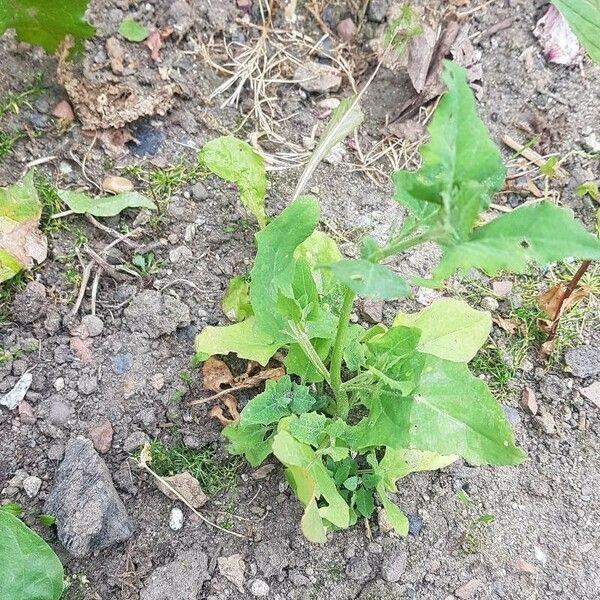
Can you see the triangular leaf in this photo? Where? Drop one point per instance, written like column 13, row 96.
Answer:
column 108, row 206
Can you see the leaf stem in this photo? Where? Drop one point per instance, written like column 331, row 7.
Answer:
column 309, row 350
column 335, row 368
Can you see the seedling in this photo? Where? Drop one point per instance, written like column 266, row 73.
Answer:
column 146, row 264
column 361, row 408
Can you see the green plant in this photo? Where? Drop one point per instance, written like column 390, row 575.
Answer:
column 360, row 409
column 146, row 264
column 30, row 568
column 46, row 23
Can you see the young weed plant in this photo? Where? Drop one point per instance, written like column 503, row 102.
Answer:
column 360, row 409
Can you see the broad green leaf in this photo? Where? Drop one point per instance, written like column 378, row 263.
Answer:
column 109, row 206
column 297, row 363
column 461, row 167
column 450, row 329
column 450, row 412
column 308, row 428
column 540, row 232
column 244, row 339
column 252, row 441
column 132, row 31
column 398, row 463
column 344, row 120
column 354, row 350
column 274, row 269
column 30, row 570
column 46, row 23
column 368, row 279
column 236, row 301
column 319, row 249
column 235, row 161
column 363, row 499
column 293, row 453
column 21, row 242
column 584, row 18
column 311, row 524
column 279, row 399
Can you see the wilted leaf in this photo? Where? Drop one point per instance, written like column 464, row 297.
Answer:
column 80, row 203
column 21, row 242
column 184, row 484
column 116, row 185
column 132, row 31
column 551, row 301
column 236, row 301
column 511, row 326
column 216, row 375
column 584, row 18
column 559, row 43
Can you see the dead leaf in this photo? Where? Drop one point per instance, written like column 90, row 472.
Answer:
column 559, row 43
column 64, row 112
column 23, row 241
column 154, row 43
column 263, row 471
column 420, row 53
column 232, row 568
column 592, row 393
column 116, row 185
column 216, row 412
column 104, row 104
column 511, row 326
column 82, row 349
column 550, row 300
column 186, row 485
column 528, row 401
column 547, row 348
column 216, row 375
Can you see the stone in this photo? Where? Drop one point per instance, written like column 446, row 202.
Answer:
column 199, row 191
column 232, row 568
column 394, row 565
column 584, row 361
column 15, row 396
column 520, row 565
column 591, row 392
column 272, row 556
column 26, row 413
column 528, row 401
column 415, row 524
column 384, row 523
column 377, row 10
column 545, row 421
column 555, row 388
column 317, row 77
column 180, row 254
column 176, row 519
column 87, row 384
column 154, row 314
column 383, row 590
column 182, row 578
column 89, row 513
column 135, row 440
column 32, row 485
column 346, row 29
column 157, row 381
column 502, row 288
column 359, row 569
column 259, row 588
column 92, row 325
column 468, row 589
column 371, row 310
column 102, row 436
column 489, row 303
column 59, row 412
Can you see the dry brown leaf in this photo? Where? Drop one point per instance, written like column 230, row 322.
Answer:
column 186, row 485
column 116, row 185
column 263, row 471
column 216, row 375
column 420, row 53
column 548, row 347
column 550, row 300
column 528, row 401
column 154, row 41
column 104, row 104
column 231, row 403
column 511, row 326
column 216, row 412
column 24, row 241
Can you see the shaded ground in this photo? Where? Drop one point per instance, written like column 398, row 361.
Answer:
column 546, row 512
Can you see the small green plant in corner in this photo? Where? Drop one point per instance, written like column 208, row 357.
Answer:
column 360, row 409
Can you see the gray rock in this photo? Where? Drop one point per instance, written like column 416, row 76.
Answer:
column 199, row 191
column 180, row 579
column 135, row 440
column 87, row 384
column 394, row 565
column 359, row 569
column 545, row 421
column 584, row 361
column 32, row 485
column 93, row 325
column 489, row 303
column 155, row 314
column 371, row 310
column 89, row 513
column 377, row 10
column 555, row 388
column 259, row 588
column 271, row 556
column 29, row 303
column 121, row 363
column 378, row 590
column 59, row 412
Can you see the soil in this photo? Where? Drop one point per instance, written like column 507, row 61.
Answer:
column 547, row 511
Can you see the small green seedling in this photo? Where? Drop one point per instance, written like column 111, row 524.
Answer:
column 359, row 408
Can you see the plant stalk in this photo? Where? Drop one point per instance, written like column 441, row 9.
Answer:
column 335, row 368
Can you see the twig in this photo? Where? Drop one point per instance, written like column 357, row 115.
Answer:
column 95, row 290
column 530, row 155
column 85, row 277
column 218, row 395
column 110, row 231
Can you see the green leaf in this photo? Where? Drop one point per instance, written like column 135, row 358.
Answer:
column 235, row 161
column 396, row 517
column 354, row 350
column 236, row 301
column 109, row 206
column 30, row 569
column 279, row 399
column 308, row 428
column 318, row 249
column 450, row 412
column 252, row 441
column 274, row 268
column 45, row 23
column 450, row 329
column 540, row 232
column 398, row 463
column 369, row 279
column 132, row 31
column 363, row 500
column 588, row 188
column 461, row 167
column 584, row 18
column 12, row 507
column 296, row 455
column 21, row 241
column 242, row 338
column 351, row 483
column 297, row 363
column 47, row 520
column 344, row 120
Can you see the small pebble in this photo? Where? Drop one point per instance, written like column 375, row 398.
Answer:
column 176, row 519
column 32, row 485
column 259, row 588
